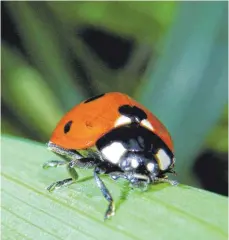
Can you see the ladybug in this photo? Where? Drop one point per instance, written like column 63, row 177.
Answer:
column 115, row 135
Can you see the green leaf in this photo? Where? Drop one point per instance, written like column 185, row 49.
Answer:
column 162, row 212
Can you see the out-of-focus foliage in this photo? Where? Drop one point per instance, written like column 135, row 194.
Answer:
column 218, row 137
column 135, row 20
column 41, row 42
column 30, row 106
column 55, row 54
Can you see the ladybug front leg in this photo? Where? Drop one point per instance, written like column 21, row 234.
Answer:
column 136, row 180
column 80, row 163
column 66, row 182
column 54, row 163
column 116, row 175
column 84, row 163
column 59, row 184
column 111, row 207
column 165, row 180
column 172, row 171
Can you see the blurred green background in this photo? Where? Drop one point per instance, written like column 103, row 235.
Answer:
column 170, row 56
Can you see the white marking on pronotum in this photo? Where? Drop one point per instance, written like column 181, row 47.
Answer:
column 150, row 167
column 113, row 152
column 147, row 124
column 123, row 120
column 164, row 160
column 134, row 163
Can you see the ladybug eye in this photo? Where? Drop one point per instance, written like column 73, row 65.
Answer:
column 94, row 98
column 67, row 127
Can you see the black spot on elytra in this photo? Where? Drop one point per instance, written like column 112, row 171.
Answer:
column 94, row 98
column 134, row 112
column 67, row 127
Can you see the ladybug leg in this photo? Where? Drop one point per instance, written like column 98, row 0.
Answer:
column 59, row 184
column 172, row 182
column 139, row 181
column 142, row 185
column 172, row 171
column 116, row 175
column 136, row 180
column 83, row 163
column 72, row 172
column 65, row 182
column 53, row 163
column 111, row 207
column 80, row 163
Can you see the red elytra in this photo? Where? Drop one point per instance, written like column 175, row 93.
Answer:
column 93, row 119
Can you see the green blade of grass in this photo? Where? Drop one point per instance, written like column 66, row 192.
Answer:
column 162, row 212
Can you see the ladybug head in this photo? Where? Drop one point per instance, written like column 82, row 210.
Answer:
column 139, row 162
column 135, row 149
